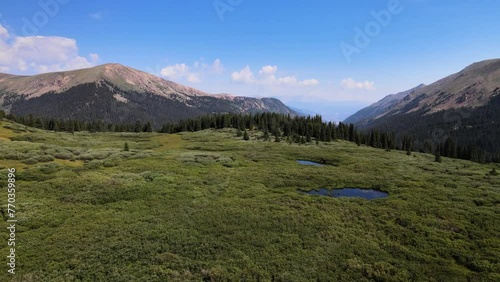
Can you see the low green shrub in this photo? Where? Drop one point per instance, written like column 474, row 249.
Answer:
column 63, row 156
column 93, row 164
column 15, row 156
column 30, row 161
column 45, row 158
column 110, row 162
column 85, row 157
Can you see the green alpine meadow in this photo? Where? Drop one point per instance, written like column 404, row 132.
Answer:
column 212, row 206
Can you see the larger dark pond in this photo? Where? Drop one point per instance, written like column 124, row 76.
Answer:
column 349, row 192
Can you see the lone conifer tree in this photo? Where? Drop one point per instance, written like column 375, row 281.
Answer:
column 148, row 127
column 125, row 147
column 246, row 137
column 437, row 156
column 266, row 135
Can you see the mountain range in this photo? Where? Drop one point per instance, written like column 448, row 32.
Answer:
column 463, row 109
column 118, row 94
column 377, row 109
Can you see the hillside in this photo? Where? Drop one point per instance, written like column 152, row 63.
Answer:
column 462, row 108
column 208, row 206
column 118, row 94
column 373, row 111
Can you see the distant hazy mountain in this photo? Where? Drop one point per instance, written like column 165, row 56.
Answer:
column 371, row 112
column 463, row 107
column 303, row 112
column 119, row 94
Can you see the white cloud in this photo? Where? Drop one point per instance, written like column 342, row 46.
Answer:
column 350, row 83
column 183, row 71
column 267, row 76
column 94, row 57
column 268, row 70
column 3, row 32
column 174, row 70
column 217, row 67
column 245, row 75
column 96, row 15
column 310, row 82
column 180, row 71
column 38, row 54
column 193, row 78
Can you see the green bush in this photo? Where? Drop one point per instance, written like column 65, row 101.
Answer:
column 93, row 164
column 45, row 158
column 85, row 157
column 75, row 152
column 29, row 138
column 110, row 162
column 15, row 156
column 100, row 155
column 30, row 161
column 63, row 156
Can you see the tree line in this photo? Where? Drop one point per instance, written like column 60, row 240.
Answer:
column 274, row 126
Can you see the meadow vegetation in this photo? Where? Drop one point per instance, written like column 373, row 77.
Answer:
column 210, row 206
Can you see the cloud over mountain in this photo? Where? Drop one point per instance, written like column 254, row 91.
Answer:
column 267, row 76
column 38, row 54
column 350, row 83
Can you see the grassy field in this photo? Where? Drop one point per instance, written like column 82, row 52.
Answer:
column 208, row 206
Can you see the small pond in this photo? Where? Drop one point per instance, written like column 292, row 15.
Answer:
column 368, row 194
column 302, row 162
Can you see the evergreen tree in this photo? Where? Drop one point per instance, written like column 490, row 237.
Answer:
column 266, row 135
column 125, row 147
column 437, row 156
column 246, row 137
column 352, row 132
column 138, row 127
column 148, row 127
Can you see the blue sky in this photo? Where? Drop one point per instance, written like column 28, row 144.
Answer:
column 293, row 50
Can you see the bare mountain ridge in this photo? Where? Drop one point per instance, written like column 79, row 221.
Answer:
column 116, row 93
column 472, row 87
column 373, row 111
column 125, row 78
column 463, row 109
